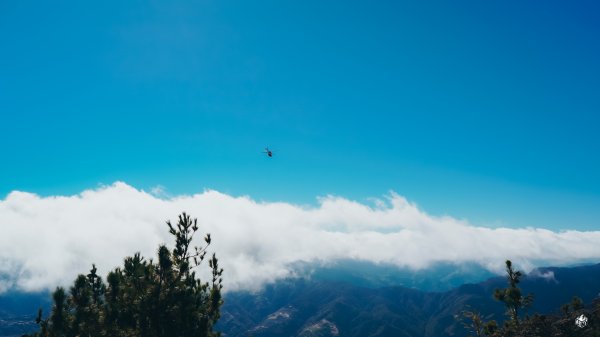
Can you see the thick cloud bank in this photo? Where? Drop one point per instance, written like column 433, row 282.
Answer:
column 46, row 241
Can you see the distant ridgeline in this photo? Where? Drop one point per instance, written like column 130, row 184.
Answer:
column 437, row 277
column 305, row 308
column 322, row 306
column 18, row 311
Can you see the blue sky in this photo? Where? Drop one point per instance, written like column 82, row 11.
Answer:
column 486, row 111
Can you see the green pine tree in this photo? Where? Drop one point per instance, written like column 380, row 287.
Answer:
column 512, row 297
column 143, row 298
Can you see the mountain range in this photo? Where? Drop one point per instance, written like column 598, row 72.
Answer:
column 342, row 301
column 303, row 308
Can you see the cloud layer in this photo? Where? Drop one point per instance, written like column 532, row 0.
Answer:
column 47, row 241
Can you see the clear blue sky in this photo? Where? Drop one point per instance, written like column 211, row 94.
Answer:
column 483, row 110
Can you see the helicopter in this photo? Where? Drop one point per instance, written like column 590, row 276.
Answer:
column 268, row 152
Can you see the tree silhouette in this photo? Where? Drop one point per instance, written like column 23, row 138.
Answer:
column 536, row 325
column 512, row 298
column 143, row 298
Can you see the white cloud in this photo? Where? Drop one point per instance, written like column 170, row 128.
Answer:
column 546, row 275
column 46, row 241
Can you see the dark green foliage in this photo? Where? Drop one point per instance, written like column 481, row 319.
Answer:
column 143, row 298
column 512, row 298
column 536, row 325
column 473, row 322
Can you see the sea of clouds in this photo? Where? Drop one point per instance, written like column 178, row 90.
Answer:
column 47, row 241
